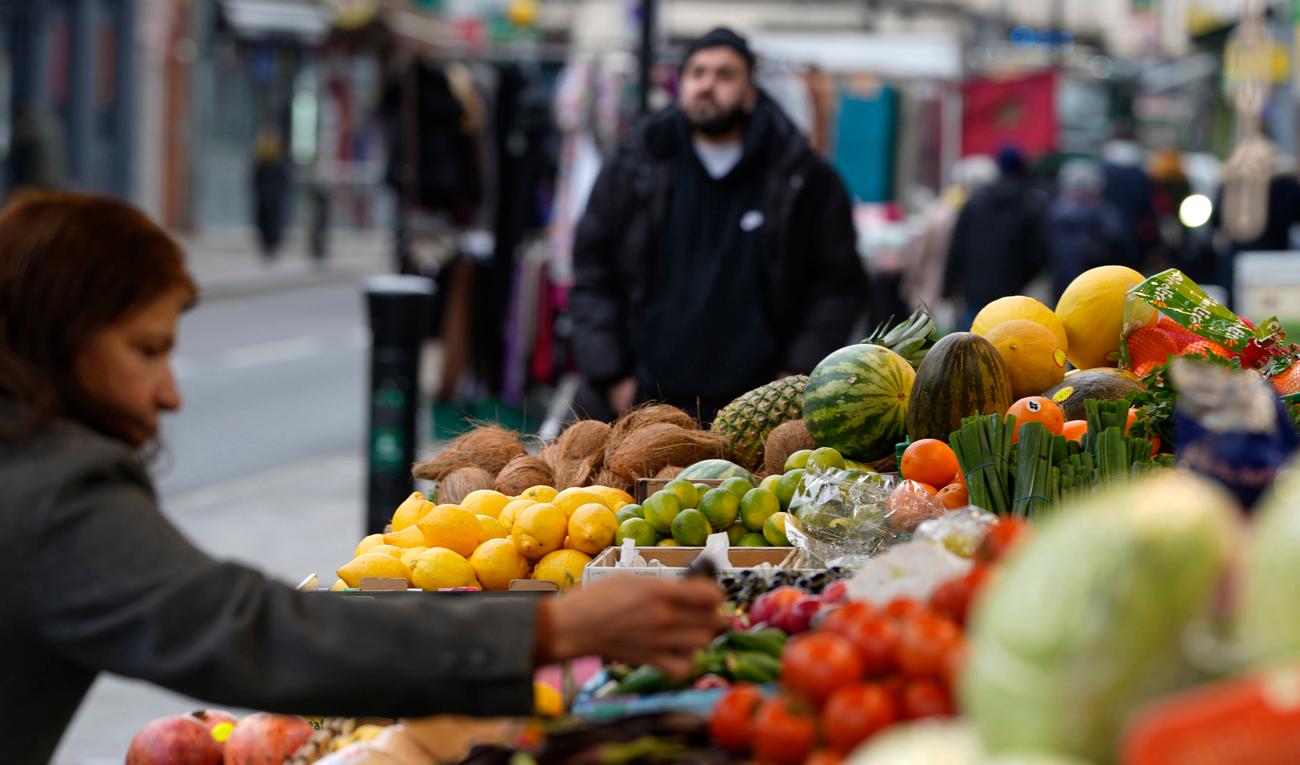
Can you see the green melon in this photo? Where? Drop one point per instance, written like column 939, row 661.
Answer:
column 963, row 375
column 716, row 470
column 856, row 401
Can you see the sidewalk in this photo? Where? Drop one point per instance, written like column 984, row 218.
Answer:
column 227, row 264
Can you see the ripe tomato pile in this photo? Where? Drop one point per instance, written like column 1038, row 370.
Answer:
column 861, row 669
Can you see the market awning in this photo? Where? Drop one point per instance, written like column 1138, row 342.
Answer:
column 306, row 20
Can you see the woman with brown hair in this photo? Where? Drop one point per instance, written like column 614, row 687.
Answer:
column 96, row 579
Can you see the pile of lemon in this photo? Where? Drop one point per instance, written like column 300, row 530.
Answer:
column 490, row 539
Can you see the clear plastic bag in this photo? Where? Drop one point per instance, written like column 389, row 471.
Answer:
column 960, row 532
column 847, row 516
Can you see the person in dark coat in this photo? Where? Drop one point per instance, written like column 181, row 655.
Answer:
column 1000, row 242
column 717, row 250
column 270, row 191
column 97, row 580
column 1128, row 188
column 1084, row 229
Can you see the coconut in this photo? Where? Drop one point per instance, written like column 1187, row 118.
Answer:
column 490, row 448
column 459, row 483
column 669, row 473
column 523, row 473
column 578, row 454
column 647, row 450
column 649, row 414
column 611, row 479
column 784, row 440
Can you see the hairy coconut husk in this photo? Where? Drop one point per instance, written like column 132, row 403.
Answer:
column 490, row 448
column 523, row 473
column 611, row 479
column 669, row 473
column 459, row 483
column 644, row 416
column 647, row 450
column 784, row 440
column 578, row 454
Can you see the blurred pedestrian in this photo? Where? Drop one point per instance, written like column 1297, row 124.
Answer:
column 1084, row 229
column 925, row 259
column 271, row 189
column 98, row 580
column 1128, row 189
column 1000, row 242
column 1280, row 227
column 1170, row 187
column 717, row 250
column 38, row 151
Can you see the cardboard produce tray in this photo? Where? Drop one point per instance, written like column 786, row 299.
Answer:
column 676, row 561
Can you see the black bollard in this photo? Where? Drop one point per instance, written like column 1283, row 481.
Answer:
column 398, row 308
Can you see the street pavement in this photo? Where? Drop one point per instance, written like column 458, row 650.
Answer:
column 264, row 464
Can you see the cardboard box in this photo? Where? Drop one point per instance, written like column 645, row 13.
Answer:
column 676, row 561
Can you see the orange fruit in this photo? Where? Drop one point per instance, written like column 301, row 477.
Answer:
column 1034, row 357
column 954, row 496
column 1288, row 382
column 1132, row 418
column 1037, row 409
column 1074, row 430
column 929, row 461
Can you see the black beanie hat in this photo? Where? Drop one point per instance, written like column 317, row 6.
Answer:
column 721, row 37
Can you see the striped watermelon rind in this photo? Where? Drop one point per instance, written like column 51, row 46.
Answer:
column 856, row 401
column 716, row 470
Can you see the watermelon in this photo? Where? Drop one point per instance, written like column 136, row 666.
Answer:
column 963, row 375
column 856, row 401
column 716, row 470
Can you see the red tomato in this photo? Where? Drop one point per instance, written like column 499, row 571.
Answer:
column 838, row 619
column 953, row 666
column 1000, row 539
column 732, row 724
column 924, row 643
column 876, row 640
column 824, row 757
column 855, row 713
column 952, row 599
column 783, row 732
column 925, row 698
column 901, row 608
column 772, row 607
column 816, row 664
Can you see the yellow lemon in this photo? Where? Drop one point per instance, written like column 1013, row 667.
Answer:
column 411, row 553
column 564, row 567
column 438, row 568
column 592, row 528
column 452, row 527
column 1015, row 307
column 391, row 550
column 510, row 513
column 1092, row 310
column 338, row 586
column 539, row 530
column 485, row 502
column 539, row 493
column 491, row 528
column 611, row 497
column 373, row 566
column 572, row 499
column 409, row 537
column 497, row 563
column 411, row 511
column 374, row 540
column 547, row 702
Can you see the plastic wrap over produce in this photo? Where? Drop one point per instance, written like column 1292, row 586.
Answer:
column 846, row 516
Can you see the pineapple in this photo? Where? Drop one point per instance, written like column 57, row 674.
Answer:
column 746, row 421
column 911, row 338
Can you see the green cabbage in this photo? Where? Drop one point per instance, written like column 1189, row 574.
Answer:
column 1085, row 621
column 939, row 742
column 1268, row 615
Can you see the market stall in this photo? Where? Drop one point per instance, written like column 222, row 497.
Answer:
column 935, row 549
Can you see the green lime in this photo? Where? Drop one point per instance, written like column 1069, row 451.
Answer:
column 788, row 486
column 737, row 485
column 826, row 457
column 701, row 488
column 770, row 483
column 685, row 491
column 661, row 509
column 798, row 460
column 691, row 528
column 855, row 465
column 637, row 529
column 757, row 506
column 735, row 532
column 720, row 506
column 752, row 540
column 668, row 542
column 629, row 511
column 774, row 530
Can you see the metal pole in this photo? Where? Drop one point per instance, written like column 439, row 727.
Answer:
column 647, row 58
